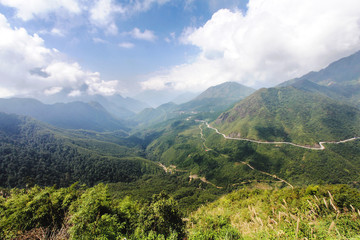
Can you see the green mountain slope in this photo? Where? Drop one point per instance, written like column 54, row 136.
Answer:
column 34, row 153
column 342, row 77
column 155, row 115
column 223, row 162
column 291, row 115
column 74, row 115
column 217, row 98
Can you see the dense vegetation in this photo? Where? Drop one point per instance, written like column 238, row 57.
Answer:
column 34, row 153
column 315, row 212
column 291, row 115
column 223, row 162
column 165, row 181
column 79, row 213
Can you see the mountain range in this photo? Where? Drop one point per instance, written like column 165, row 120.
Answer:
column 214, row 99
column 319, row 106
column 340, row 80
column 73, row 115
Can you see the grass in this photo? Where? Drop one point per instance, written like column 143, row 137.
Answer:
column 311, row 213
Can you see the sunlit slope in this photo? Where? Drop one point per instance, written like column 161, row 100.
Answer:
column 218, row 98
column 223, row 162
column 315, row 212
column 292, row 115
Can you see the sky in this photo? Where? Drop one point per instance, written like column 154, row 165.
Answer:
column 87, row 47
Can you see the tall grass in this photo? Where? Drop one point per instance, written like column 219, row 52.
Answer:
column 277, row 214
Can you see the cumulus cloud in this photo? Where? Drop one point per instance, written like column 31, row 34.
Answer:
column 144, row 5
column 99, row 40
column 146, row 35
column 102, row 15
column 275, row 40
column 28, row 9
column 28, row 67
column 127, row 45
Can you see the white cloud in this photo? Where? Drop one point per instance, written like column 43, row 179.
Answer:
column 274, row 41
column 99, row 40
column 127, row 45
column 172, row 37
column 102, row 15
column 74, row 93
column 28, row 67
column 52, row 91
column 144, row 5
column 57, row 32
column 28, row 9
column 147, row 35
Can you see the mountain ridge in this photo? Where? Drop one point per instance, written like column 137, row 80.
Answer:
column 74, row 115
column 291, row 115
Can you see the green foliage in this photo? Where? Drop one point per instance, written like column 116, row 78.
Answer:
column 35, row 208
column 91, row 213
column 161, row 216
column 94, row 217
column 34, row 153
column 223, row 164
column 280, row 214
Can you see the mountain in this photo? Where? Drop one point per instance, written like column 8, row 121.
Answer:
column 342, row 77
column 292, row 115
column 155, row 115
column 217, row 98
column 74, row 115
column 185, row 97
column 155, row 98
column 117, row 105
column 32, row 152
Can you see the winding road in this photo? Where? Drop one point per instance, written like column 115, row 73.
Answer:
column 321, row 144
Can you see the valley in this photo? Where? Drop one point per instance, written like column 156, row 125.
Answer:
column 230, row 149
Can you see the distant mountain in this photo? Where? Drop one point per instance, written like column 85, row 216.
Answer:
column 185, row 97
column 342, row 78
column 155, row 98
column 217, row 98
column 116, row 104
column 291, row 114
column 214, row 99
column 74, row 115
column 155, row 115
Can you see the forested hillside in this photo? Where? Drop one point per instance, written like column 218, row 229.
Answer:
column 292, row 115
column 35, row 153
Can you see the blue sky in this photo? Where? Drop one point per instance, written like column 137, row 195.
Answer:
column 120, row 55
column 110, row 46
